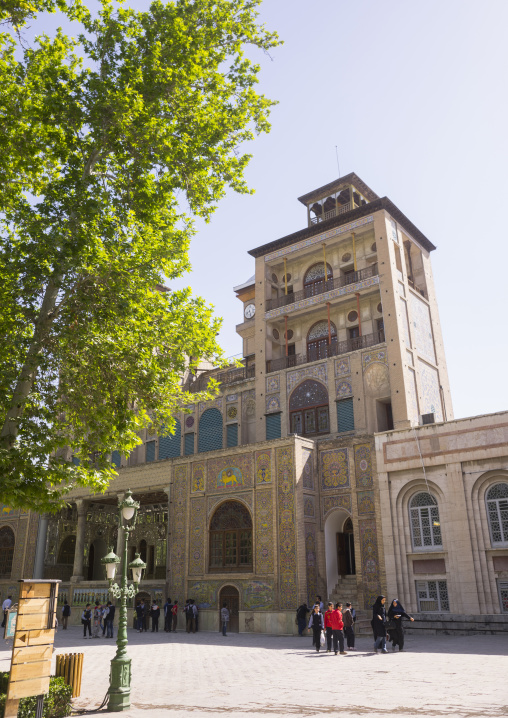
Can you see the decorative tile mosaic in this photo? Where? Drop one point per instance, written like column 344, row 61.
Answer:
column 366, row 502
column 288, row 593
column 265, row 545
column 370, row 561
column 7, row 512
column 198, row 476
column 178, row 533
column 308, row 507
column 232, row 397
column 232, row 412
column 258, row 595
column 311, row 562
column 264, row 467
column 215, row 403
column 371, row 357
column 421, row 328
column 334, row 466
column 319, row 238
column 336, row 502
column 229, row 472
column 342, row 366
column 189, row 422
column 245, row 497
column 313, row 372
column 413, row 413
column 308, row 469
column 204, row 593
column 197, row 536
column 405, row 322
column 429, row 390
column 342, row 389
column 322, row 298
column 363, row 466
column 272, row 383
column 272, row 403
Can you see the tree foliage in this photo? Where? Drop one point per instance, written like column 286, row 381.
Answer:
column 110, row 145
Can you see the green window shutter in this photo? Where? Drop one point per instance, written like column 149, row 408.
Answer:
column 188, row 444
column 76, row 461
column 345, row 415
column 210, row 431
column 150, row 451
column 169, row 446
column 116, row 459
column 232, row 435
column 273, row 430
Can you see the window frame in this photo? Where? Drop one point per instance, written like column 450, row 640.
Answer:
column 419, row 509
column 236, row 567
column 425, row 585
column 503, row 528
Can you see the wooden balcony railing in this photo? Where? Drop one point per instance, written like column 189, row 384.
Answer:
column 230, row 376
column 333, row 213
column 322, row 287
column 330, row 350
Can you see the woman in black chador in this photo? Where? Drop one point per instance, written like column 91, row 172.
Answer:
column 395, row 614
column 378, row 624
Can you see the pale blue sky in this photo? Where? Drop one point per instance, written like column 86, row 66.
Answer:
column 414, row 95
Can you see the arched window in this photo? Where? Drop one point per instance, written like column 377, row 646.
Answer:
column 314, row 280
column 7, row 541
column 308, row 409
column 66, row 553
column 231, row 538
column 210, row 431
column 317, row 340
column 497, row 511
column 169, row 446
column 424, row 519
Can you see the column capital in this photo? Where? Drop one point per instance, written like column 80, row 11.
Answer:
column 81, row 505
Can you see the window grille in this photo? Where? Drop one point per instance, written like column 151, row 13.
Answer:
column 231, row 538
column 432, row 596
column 232, row 435
column 503, row 595
column 116, row 459
column 169, row 446
column 150, row 451
column 7, row 541
column 425, row 523
column 497, row 512
column 210, row 431
column 345, row 415
column 273, row 427
column 188, row 444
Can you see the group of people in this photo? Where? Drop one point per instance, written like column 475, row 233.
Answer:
column 146, row 612
column 94, row 620
column 388, row 627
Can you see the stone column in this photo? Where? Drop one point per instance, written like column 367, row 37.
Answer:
column 167, row 491
column 77, row 571
column 40, row 551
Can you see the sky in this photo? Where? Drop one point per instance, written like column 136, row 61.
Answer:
column 413, row 94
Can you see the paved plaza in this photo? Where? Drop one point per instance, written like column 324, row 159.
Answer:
column 208, row 675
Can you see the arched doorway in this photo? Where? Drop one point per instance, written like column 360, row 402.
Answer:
column 346, row 550
column 7, row 541
column 230, row 596
column 339, row 548
column 231, row 538
column 308, row 409
column 98, row 549
column 320, row 341
column 314, row 280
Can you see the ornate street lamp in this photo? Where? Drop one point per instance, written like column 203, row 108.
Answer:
column 120, row 676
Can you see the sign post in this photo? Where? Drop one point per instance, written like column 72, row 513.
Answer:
column 33, row 644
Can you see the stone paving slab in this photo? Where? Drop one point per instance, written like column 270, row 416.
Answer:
column 258, row 676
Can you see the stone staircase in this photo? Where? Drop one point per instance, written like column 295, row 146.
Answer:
column 345, row 591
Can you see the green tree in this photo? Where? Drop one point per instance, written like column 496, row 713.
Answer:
column 110, row 145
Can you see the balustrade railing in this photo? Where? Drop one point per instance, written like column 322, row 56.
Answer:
column 322, row 287
column 332, row 213
column 229, row 376
column 330, row 350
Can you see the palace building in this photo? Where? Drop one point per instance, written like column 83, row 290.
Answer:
column 329, row 463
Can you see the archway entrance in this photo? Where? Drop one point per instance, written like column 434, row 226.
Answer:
column 231, row 597
column 98, row 549
column 346, row 550
column 339, row 548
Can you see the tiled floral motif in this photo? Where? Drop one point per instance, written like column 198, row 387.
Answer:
column 429, row 390
column 370, row 561
column 308, row 507
column 336, row 502
column 272, row 383
column 314, row 372
column 311, row 562
column 342, row 366
column 232, row 412
column 264, row 532
column 288, row 592
column 215, row 403
column 178, row 532
column 308, row 469
column 229, row 472
column 258, row 595
column 334, row 466
column 197, row 536
column 421, row 328
column 272, row 403
column 363, row 466
column 325, row 297
column 245, row 497
column 198, row 476
column 343, row 389
column 319, row 238
column 204, row 593
column 232, row 397
column 371, row 357
column 366, row 502
column 264, row 467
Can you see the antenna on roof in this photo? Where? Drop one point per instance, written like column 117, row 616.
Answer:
column 337, row 156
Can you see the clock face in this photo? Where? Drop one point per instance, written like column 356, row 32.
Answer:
column 249, row 311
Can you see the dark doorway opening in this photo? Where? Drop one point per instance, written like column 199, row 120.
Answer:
column 231, row 597
column 346, row 550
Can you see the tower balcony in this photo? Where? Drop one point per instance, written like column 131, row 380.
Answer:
column 330, row 350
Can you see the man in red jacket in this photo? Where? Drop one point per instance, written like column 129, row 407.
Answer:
column 328, row 627
column 337, row 626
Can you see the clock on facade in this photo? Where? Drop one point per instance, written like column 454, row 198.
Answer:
column 249, row 311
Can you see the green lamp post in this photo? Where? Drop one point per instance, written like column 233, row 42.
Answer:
column 120, row 676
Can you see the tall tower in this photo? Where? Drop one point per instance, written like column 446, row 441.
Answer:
column 341, row 321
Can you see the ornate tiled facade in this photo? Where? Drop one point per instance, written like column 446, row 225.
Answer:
column 178, row 532
column 198, row 476
column 265, row 545
column 334, row 467
column 308, row 507
column 226, row 473
column 336, row 502
column 272, row 383
column 264, row 467
column 313, row 372
column 308, row 469
column 217, row 403
column 370, row 357
column 363, row 466
column 370, row 560
column 366, row 503
column 311, row 562
column 272, row 403
column 197, row 536
column 287, row 528
column 343, row 389
column 342, row 366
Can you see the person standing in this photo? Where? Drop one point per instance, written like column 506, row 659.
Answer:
column 328, row 627
column 97, row 614
column 174, row 616
column 167, row 615
column 349, row 627
column 86, row 620
column 155, row 613
column 378, row 624
column 396, row 613
column 104, row 618
column 139, row 616
column 109, row 620
column 5, row 607
column 195, row 615
column 189, row 617
column 66, row 612
column 337, row 630
column 316, row 624
column 320, row 604
column 224, row 618
column 301, row 618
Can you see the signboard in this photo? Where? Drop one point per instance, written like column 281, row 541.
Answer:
column 10, row 623
column 33, row 643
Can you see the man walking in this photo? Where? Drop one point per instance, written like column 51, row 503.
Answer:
column 174, row 616
column 66, row 612
column 349, row 627
column 5, row 607
column 109, row 620
column 167, row 615
column 224, row 618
